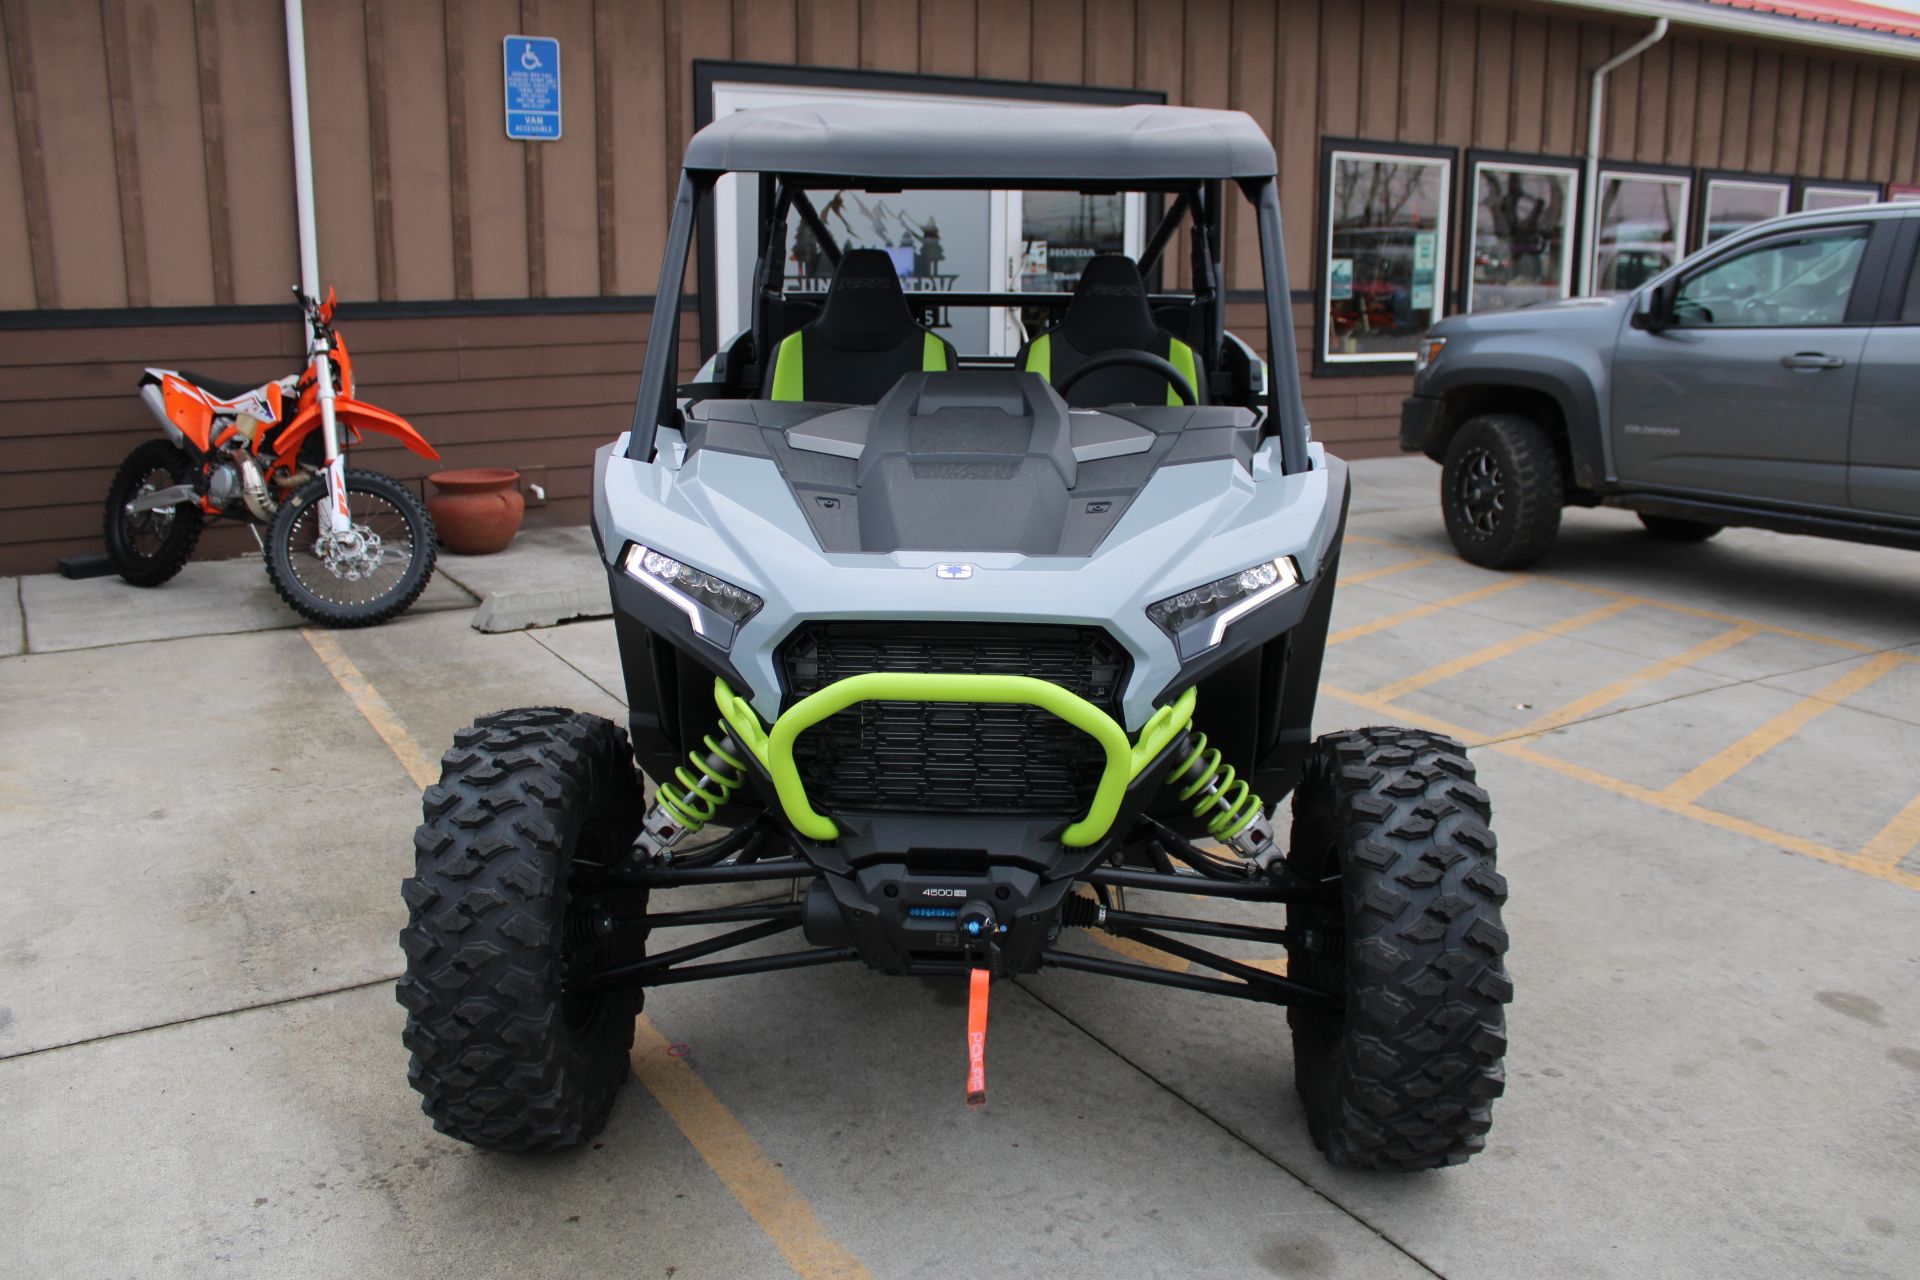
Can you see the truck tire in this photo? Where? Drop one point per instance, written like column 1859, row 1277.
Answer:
column 497, row 916
column 1501, row 491
column 1674, row 529
column 1403, row 1076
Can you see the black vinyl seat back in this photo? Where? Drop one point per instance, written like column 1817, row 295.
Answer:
column 1109, row 311
column 863, row 341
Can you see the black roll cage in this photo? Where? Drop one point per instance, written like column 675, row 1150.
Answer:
column 1199, row 202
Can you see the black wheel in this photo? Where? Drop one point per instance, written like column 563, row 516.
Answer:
column 149, row 547
column 1673, row 529
column 1501, row 491
column 370, row 575
column 1404, row 1075
column 509, row 899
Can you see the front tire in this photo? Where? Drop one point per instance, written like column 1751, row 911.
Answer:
column 377, row 577
column 503, row 905
column 1403, row 1076
column 149, row 548
column 1501, row 491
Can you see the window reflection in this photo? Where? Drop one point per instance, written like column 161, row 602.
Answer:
column 1732, row 205
column 1642, row 220
column 1385, row 273
column 1520, row 249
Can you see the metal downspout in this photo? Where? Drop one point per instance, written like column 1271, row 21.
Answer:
column 1594, row 123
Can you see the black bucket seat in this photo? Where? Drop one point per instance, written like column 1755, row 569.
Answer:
column 863, row 341
column 1109, row 311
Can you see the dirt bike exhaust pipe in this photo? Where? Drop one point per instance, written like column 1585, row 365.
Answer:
column 156, row 402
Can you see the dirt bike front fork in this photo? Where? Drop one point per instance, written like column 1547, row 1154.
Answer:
column 337, row 518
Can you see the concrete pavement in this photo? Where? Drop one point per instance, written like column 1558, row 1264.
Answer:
column 1715, row 1066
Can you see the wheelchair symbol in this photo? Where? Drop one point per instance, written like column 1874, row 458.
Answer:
column 529, row 59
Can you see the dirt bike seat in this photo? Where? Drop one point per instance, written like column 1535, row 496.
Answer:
column 218, row 388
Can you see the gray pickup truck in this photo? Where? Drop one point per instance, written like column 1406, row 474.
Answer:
column 1771, row 380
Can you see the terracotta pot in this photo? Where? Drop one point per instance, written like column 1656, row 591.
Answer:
column 477, row 510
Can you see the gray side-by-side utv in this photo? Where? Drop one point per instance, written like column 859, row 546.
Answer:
column 968, row 649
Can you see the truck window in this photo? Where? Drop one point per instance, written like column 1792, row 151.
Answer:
column 1789, row 283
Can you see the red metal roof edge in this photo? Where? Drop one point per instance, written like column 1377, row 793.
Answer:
column 1840, row 13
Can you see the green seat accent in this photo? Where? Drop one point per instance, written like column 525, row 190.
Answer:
column 1040, row 357
column 1125, row 760
column 789, row 369
column 1180, row 356
column 933, row 355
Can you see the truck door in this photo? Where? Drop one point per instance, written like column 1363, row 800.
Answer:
column 1746, row 390
column 1884, row 475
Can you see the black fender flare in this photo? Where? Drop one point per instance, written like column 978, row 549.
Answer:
column 1569, row 386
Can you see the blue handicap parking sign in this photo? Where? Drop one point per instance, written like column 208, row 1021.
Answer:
column 532, row 87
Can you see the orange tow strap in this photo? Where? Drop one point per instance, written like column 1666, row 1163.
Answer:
column 977, row 1037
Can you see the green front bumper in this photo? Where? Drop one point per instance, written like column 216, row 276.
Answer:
column 1125, row 758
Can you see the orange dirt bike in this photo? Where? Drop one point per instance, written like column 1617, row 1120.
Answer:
column 344, row 548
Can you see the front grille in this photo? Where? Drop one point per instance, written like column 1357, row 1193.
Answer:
column 919, row 757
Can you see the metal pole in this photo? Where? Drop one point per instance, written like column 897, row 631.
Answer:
column 338, row 519
column 1594, row 121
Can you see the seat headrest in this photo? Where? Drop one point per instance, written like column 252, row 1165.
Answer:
column 866, row 309
column 1109, row 308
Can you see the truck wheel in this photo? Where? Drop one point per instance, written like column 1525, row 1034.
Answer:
column 1404, row 1074
column 1501, row 491
column 503, row 904
column 1674, row 529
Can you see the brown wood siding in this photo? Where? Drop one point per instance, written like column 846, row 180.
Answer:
column 137, row 165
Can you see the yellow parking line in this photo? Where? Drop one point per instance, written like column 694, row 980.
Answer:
column 1519, row 750
column 755, row 1181
column 421, row 765
column 1423, row 611
column 730, row 1151
column 1580, row 708
column 1494, row 652
column 1716, row 769
column 1897, row 839
column 1368, row 575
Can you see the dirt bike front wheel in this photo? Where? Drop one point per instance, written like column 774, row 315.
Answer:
column 363, row 577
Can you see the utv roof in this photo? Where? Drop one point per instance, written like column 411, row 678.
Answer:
column 1046, row 145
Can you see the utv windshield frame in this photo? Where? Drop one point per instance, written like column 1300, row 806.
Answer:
column 1188, row 154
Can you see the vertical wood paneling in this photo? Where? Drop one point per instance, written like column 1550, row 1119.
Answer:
column 1109, row 41
column 1420, row 71
column 1002, row 32
column 342, row 162
column 126, row 151
column 1559, row 136
column 1790, row 104
column 459, row 163
column 605, row 161
column 1059, row 41
column 259, row 151
column 1528, row 83
column 1596, row 46
column 1340, row 69
column 163, row 74
column 1623, row 100
column 1761, row 128
column 16, row 242
column 1739, row 107
column 1251, row 74
column 1866, row 89
column 213, row 148
column 1683, row 72
column 1886, row 107
column 889, row 35
column 1297, row 138
column 1656, row 83
column 496, row 167
column 1459, row 39
column 419, row 150
column 763, row 31
column 644, row 172
column 1906, row 133
column 1493, row 91
column 380, row 147
column 1813, row 122
column 76, row 128
column 828, row 32
column 1160, row 47
column 1710, row 110
column 568, row 180
column 1380, row 68
column 947, row 39
column 1839, row 123
column 1206, row 54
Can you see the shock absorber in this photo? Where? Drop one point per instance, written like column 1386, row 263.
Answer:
column 706, row 782
column 1233, row 814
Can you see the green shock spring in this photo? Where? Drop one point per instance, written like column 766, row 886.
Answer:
column 1215, row 789
column 707, row 781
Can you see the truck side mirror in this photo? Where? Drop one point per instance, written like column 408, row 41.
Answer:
column 1653, row 309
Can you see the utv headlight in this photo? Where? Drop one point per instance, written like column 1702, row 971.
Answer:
column 1198, row 619
column 715, row 608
